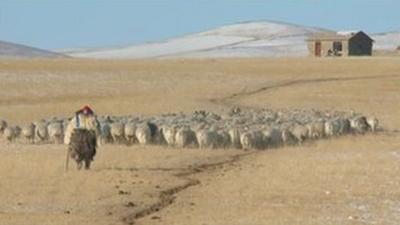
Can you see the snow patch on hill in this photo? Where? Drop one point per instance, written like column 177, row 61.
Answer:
column 386, row 41
column 250, row 39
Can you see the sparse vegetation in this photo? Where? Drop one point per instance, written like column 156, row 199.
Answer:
column 338, row 181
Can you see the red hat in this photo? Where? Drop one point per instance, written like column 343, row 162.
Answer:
column 86, row 109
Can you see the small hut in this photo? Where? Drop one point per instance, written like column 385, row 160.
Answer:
column 340, row 44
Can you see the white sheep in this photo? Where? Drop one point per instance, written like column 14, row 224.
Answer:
column 207, row 139
column 130, row 130
column 143, row 134
column 252, row 139
column 332, row 128
column 117, row 132
column 316, row 129
column 372, row 123
column 169, row 132
column 11, row 133
column 41, row 132
column 288, row 138
column 234, row 135
column 56, row 132
column 28, row 132
column 300, row 132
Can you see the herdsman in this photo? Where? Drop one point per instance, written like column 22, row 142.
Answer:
column 81, row 137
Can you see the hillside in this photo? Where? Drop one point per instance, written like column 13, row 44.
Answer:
column 249, row 39
column 386, row 41
column 12, row 50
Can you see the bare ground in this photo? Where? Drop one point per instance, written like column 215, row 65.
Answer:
column 350, row 180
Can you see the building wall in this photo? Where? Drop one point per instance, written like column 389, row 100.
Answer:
column 360, row 46
column 311, row 48
column 325, row 46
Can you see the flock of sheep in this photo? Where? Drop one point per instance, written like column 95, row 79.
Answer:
column 241, row 129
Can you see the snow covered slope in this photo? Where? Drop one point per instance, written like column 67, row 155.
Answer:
column 386, row 41
column 11, row 50
column 250, row 39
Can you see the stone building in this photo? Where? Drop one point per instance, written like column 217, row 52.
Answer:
column 340, row 44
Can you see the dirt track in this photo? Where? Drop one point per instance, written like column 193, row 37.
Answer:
column 351, row 180
column 125, row 184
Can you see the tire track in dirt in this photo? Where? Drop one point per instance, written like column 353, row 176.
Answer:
column 234, row 96
column 167, row 197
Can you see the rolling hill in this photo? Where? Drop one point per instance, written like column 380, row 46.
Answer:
column 12, row 50
column 386, row 41
column 248, row 39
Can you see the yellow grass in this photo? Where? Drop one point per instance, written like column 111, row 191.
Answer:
column 351, row 180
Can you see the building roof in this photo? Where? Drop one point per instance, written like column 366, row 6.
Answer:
column 333, row 36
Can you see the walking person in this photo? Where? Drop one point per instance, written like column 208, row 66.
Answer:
column 81, row 137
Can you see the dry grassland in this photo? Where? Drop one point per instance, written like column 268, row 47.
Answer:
column 351, row 180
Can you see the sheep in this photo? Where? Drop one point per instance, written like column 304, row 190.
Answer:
column 262, row 128
column 372, row 123
column 117, row 132
column 224, row 139
column 157, row 133
column 130, row 130
column 300, row 132
column 207, row 139
column 288, row 138
column 272, row 137
column 185, row 137
column 17, row 131
column 41, row 133
column 332, row 128
column 316, row 129
column 252, row 140
column 359, row 124
column 10, row 133
column 169, row 132
column 235, row 138
column 55, row 132
column 143, row 134
column 65, row 123
column 28, row 132
column 105, row 134
column 344, row 125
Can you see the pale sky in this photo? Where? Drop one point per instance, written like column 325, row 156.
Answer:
column 56, row 24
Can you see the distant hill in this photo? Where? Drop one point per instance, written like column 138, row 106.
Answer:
column 248, row 39
column 12, row 50
column 386, row 41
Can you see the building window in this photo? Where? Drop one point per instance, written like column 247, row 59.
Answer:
column 337, row 46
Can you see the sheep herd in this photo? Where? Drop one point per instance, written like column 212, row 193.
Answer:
column 237, row 128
